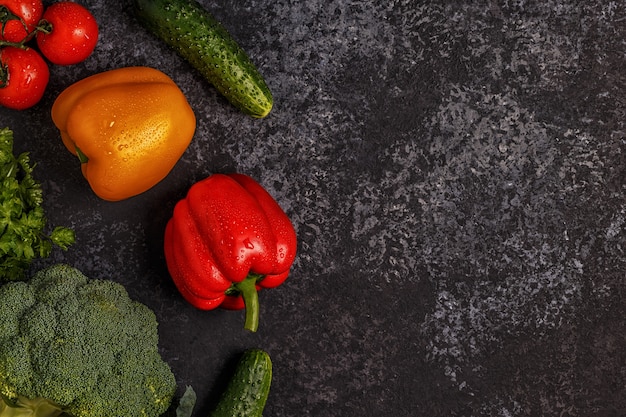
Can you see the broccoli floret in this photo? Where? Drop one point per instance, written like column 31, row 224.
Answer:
column 79, row 346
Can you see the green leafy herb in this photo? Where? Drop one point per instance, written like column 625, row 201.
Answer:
column 22, row 218
column 186, row 403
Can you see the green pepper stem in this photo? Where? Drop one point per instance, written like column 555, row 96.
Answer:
column 250, row 296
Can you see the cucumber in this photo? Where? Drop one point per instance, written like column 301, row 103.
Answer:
column 199, row 38
column 247, row 390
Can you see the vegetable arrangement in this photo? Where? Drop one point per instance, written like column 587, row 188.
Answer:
column 64, row 33
column 80, row 347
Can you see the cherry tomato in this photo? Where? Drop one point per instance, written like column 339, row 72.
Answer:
column 70, row 33
column 18, row 18
column 24, row 77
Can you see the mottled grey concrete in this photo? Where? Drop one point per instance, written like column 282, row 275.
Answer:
column 455, row 172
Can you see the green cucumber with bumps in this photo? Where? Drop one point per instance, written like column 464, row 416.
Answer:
column 205, row 43
column 248, row 388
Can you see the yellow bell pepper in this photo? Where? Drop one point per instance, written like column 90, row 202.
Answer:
column 128, row 126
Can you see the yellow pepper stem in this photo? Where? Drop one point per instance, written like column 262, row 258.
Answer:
column 81, row 156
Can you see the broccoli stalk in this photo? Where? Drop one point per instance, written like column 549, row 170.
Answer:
column 79, row 346
column 23, row 407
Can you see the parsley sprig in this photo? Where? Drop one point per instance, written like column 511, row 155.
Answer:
column 22, row 218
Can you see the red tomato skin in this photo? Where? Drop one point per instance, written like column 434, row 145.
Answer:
column 74, row 33
column 27, row 76
column 30, row 11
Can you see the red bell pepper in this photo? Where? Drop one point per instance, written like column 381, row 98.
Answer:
column 227, row 239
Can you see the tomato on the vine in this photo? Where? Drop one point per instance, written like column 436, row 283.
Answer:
column 68, row 33
column 18, row 18
column 24, row 76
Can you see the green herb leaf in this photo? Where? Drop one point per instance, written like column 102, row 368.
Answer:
column 23, row 223
column 187, row 403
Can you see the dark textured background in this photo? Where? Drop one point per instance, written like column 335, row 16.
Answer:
column 455, row 172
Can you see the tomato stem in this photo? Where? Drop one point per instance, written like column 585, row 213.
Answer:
column 14, row 44
column 44, row 27
column 4, row 73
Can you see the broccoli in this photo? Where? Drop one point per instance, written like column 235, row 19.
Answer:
column 70, row 345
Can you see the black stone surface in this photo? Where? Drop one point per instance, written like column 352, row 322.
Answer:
column 455, row 172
